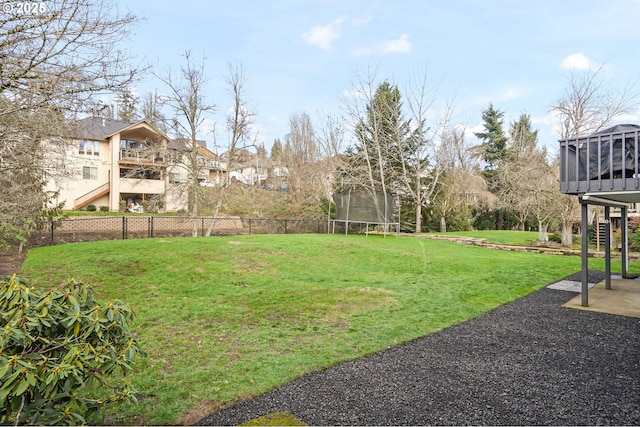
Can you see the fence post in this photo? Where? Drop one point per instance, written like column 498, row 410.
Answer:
column 51, row 224
column 124, row 227
column 150, row 227
column 249, row 226
column 285, row 226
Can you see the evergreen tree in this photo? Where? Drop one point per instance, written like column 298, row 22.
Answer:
column 381, row 138
column 523, row 139
column 127, row 102
column 261, row 152
column 276, row 150
column 492, row 150
column 494, row 142
column 150, row 109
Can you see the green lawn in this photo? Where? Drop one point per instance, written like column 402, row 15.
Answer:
column 223, row 318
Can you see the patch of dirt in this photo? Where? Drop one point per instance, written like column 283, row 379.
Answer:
column 196, row 413
column 10, row 263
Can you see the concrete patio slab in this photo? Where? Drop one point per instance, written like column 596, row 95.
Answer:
column 622, row 299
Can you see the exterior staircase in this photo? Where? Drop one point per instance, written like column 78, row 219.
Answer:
column 91, row 196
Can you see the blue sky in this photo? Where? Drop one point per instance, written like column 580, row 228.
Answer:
column 304, row 55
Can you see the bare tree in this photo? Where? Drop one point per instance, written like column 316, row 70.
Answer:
column 461, row 183
column 63, row 55
column 310, row 158
column 589, row 103
column 53, row 62
column 300, row 157
column 398, row 148
column 421, row 155
column 330, row 140
column 527, row 186
column 190, row 109
column 379, row 129
column 365, row 161
column 239, row 125
column 518, row 161
column 150, row 109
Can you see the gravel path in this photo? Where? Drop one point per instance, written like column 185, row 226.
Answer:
column 529, row 362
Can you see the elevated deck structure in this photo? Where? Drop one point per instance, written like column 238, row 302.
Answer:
column 603, row 169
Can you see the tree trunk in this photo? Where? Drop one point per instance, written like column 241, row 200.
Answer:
column 567, row 234
column 216, row 211
column 443, row 224
column 542, row 232
column 418, row 218
column 194, row 213
column 499, row 222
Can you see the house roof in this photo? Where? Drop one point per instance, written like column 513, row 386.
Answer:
column 101, row 128
column 185, row 144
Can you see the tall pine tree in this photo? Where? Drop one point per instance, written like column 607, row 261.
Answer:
column 492, row 150
column 494, row 142
column 523, row 139
column 127, row 102
column 381, row 138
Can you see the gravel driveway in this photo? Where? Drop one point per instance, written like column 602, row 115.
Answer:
column 529, row 362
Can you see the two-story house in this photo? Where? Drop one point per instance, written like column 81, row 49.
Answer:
column 122, row 165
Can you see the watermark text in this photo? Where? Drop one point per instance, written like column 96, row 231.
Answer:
column 24, row 8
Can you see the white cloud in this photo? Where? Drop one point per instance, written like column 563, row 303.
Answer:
column 355, row 93
column 470, row 132
column 400, row 45
column 511, row 93
column 576, row 61
column 323, row 35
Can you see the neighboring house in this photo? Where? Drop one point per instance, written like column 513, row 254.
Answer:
column 120, row 165
column 212, row 173
column 246, row 167
column 210, row 170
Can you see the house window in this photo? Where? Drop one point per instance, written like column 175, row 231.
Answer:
column 127, row 144
column 89, row 172
column 89, row 147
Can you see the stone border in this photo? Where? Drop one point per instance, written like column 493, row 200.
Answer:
column 515, row 248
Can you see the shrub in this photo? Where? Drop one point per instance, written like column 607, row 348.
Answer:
column 634, row 241
column 555, row 237
column 104, row 208
column 54, row 344
column 91, row 208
